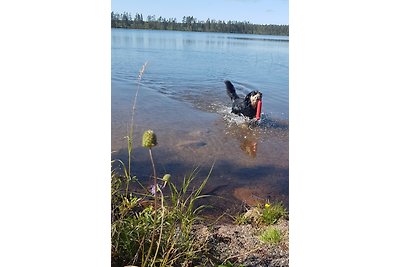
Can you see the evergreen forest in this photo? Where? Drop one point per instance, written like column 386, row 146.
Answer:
column 189, row 23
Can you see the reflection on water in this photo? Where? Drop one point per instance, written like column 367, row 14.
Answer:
column 249, row 147
column 247, row 138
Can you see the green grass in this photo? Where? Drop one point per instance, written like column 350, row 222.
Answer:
column 241, row 219
column 145, row 236
column 268, row 214
column 271, row 236
column 272, row 213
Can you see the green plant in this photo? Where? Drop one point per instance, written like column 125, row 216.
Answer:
column 271, row 235
column 149, row 140
column 242, row 219
column 273, row 212
column 145, row 237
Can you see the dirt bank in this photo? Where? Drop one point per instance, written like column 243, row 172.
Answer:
column 240, row 245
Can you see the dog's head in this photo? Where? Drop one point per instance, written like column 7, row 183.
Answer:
column 253, row 97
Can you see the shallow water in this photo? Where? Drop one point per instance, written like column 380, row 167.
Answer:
column 182, row 98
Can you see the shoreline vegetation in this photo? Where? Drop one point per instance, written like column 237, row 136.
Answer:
column 189, row 23
column 159, row 222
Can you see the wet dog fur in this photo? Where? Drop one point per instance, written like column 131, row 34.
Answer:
column 246, row 106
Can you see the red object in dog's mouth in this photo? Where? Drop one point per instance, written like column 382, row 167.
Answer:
column 258, row 113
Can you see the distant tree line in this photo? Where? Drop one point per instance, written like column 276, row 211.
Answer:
column 189, row 23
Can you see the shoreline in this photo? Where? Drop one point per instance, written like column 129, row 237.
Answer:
column 240, row 245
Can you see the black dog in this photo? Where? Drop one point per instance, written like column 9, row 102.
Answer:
column 247, row 106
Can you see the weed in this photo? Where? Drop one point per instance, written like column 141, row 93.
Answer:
column 242, row 219
column 273, row 212
column 271, row 235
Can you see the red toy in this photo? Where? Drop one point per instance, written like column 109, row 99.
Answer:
column 258, row 114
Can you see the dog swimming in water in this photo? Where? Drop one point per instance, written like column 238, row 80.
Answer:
column 249, row 106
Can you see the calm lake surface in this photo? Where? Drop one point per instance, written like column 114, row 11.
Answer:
column 182, row 97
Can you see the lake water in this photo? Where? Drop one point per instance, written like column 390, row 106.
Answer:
column 182, row 97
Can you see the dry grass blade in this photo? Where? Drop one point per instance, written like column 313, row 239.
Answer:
column 141, row 72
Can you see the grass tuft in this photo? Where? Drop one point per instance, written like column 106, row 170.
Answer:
column 273, row 212
column 271, row 236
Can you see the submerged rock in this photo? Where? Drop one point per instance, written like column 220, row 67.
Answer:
column 250, row 195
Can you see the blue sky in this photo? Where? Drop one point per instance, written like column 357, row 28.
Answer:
column 255, row 11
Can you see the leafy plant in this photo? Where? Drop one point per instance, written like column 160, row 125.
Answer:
column 273, row 212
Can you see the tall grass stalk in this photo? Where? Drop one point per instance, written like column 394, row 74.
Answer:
column 155, row 187
column 161, row 227
column 130, row 135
